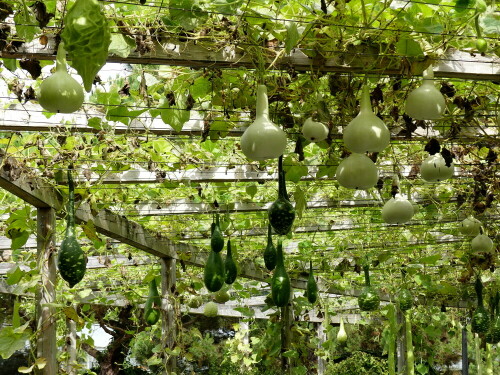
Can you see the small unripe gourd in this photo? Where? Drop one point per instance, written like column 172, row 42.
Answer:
column 397, row 210
column 60, row 92
column 314, row 131
column 470, row 226
column 482, row 244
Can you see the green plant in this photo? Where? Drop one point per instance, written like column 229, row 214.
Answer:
column 358, row 363
column 270, row 251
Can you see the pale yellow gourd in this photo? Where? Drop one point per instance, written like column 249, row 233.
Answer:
column 263, row 139
column 357, row 171
column 342, row 334
column 366, row 132
column 425, row 102
column 397, row 210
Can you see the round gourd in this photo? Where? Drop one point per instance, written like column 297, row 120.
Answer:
column 194, row 302
column 211, row 309
column 425, row 102
column 262, row 139
column 481, row 45
column 470, row 226
column 434, row 169
column 369, row 299
column 314, row 131
column 222, row 296
column 366, row 132
column 60, row 92
column 482, row 243
column 397, row 210
column 357, row 171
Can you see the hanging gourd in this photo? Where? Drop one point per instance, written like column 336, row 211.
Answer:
column 314, row 131
column 216, row 239
column 214, row 273
column 270, row 251
column 281, row 213
column 230, row 265
column 222, row 296
column 342, row 334
column 71, row 259
column 470, row 226
column 493, row 334
column 425, row 102
column 280, row 282
column 369, row 299
column 357, row 171
column 366, row 132
column 439, row 165
column 153, row 304
column 480, row 318
column 60, row 93
column 312, row 286
column 86, row 36
column 263, row 139
column 211, row 309
column 397, row 210
column 404, row 299
column 481, row 244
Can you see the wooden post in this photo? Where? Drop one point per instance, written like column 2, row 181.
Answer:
column 46, row 294
column 321, row 332
column 169, row 330
column 401, row 343
column 465, row 351
column 71, row 346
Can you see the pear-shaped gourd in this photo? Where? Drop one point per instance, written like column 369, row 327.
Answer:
column 425, row 102
column 481, row 244
column 216, row 239
column 263, row 139
column 434, row 169
column 480, row 318
column 281, row 213
column 60, row 92
column 71, row 260
column 153, row 304
column 214, row 273
column 280, row 282
column 270, row 251
column 369, row 299
column 470, row 226
column 357, row 171
column 314, row 131
column 342, row 334
column 312, row 286
column 404, row 299
column 366, row 132
column 230, row 265
column 397, row 210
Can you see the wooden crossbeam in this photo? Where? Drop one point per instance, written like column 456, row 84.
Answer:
column 455, row 64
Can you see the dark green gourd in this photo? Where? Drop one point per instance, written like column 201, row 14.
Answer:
column 404, row 299
column 281, row 213
column 216, row 241
column 280, row 283
column 369, row 299
column 153, row 304
column 230, row 265
column 270, row 251
column 71, row 260
column 214, row 274
column 312, row 287
column 480, row 318
column 493, row 334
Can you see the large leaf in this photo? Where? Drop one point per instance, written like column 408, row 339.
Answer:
column 26, row 24
column 13, row 339
column 185, row 13
column 292, row 36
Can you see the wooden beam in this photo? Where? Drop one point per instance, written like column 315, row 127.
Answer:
column 46, row 293
column 202, row 55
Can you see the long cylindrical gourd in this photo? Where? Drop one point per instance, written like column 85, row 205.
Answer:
column 270, row 251
column 280, row 283
column 71, row 260
column 230, row 265
column 153, row 304
column 312, row 286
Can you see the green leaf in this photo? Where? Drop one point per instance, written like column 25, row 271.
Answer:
column 26, row 24
column 226, row 6
column 490, row 23
column 123, row 114
column 296, row 172
column 25, row 370
column 121, row 45
column 200, row 87
column 175, row 117
column 11, row 340
column 422, row 369
column 408, row 47
column 19, row 238
column 251, row 190
column 14, row 275
column 300, row 201
column 185, row 13
column 292, row 36
column 431, row 259
column 291, row 354
column 246, row 311
column 10, row 64
column 161, row 146
column 463, row 5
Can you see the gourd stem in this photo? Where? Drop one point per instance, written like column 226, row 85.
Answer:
column 61, row 59
column 310, row 267
column 262, row 106
column 229, row 253
column 479, row 291
column 428, row 75
column 269, row 233
column 366, row 270
column 281, row 180
column 365, row 105
column 71, row 204
column 217, row 221
column 279, row 255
